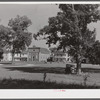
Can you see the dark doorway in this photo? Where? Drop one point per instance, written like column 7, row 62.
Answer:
column 33, row 58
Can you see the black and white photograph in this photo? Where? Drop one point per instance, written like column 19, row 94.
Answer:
column 50, row 46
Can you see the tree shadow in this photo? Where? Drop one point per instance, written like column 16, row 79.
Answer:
column 56, row 70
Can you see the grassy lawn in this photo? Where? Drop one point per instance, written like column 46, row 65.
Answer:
column 25, row 84
column 55, row 72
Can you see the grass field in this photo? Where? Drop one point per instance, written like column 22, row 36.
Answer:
column 55, row 72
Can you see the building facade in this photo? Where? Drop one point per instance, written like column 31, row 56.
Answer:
column 38, row 54
column 60, row 56
column 7, row 56
column 21, row 56
column 32, row 54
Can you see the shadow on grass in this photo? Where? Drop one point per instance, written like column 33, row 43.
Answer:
column 91, row 70
column 27, row 84
column 56, row 70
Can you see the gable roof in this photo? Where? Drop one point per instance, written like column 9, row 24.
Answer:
column 55, row 50
column 24, row 52
column 44, row 51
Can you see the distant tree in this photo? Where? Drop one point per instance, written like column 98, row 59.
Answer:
column 96, row 47
column 93, row 53
column 69, row 29
column 5, row 33
column 21, row 38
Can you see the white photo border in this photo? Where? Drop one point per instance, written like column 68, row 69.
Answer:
column 50, row 93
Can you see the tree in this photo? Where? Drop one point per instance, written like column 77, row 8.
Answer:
column 69, row 29
column 93, row 53
column 54, row 49
column 20, row 37
column 5, row 33
column 96, row 49
column 1, row 54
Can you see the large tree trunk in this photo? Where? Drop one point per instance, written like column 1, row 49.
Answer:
column 78, row 62
column 78, row 67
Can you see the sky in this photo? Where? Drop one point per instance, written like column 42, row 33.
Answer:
column 38, row 14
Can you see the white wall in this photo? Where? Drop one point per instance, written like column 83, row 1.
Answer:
column 7, row 57
column 22, row 55
column 43, row 57
column 17, row 56
column 62, row 56
column 68, row 58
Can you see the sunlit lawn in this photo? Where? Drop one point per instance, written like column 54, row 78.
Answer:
column 59, row 69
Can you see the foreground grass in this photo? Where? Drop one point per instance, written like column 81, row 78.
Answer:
column 26, row 84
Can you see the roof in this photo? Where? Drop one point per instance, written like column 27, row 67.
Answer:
column 24, row 52
column 8, row 51
column 44, row 51
column 55, row 50
column 60, row 52
column 34, row 47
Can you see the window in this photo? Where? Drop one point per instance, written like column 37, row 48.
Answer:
column 33, row 49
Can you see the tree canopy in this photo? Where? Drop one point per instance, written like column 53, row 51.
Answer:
column 69, row 29
column 5, row 33
column 93, row 53
column 21, row 37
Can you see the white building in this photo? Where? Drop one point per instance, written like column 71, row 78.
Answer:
column 7, row 56
column 21, row 56
column 38, row 54
column 32, row 54
column 44, row 54
column 60, row 56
